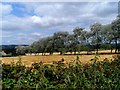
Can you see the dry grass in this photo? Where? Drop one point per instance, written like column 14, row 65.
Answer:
column 28, row 60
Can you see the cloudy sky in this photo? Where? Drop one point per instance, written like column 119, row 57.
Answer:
column 23, row 22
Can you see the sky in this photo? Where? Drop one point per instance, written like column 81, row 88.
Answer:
column 26, row 22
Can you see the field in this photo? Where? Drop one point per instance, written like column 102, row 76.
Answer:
column 48, row 59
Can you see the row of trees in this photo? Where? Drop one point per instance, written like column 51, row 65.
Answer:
column 99, row 37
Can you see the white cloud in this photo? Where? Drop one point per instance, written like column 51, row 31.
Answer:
column 6, row 34
column 28, row 38
column 36, row 34
column 5, row 9
column 49, row 21
column 105, row 9
column 13, row 23
column 49, row 15
column 54, row 17
column 60, row 1
column 53, row 9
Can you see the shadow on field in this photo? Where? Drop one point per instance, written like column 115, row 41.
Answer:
column 104, row 53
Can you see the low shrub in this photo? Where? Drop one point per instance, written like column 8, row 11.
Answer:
column 94, row 75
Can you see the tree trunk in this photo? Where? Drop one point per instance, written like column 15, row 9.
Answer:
column 111, row 50
column 74, row 52
column 116, row 46
column 97, row 49
column 61, row 53
column 51, row 53
column 119, row 48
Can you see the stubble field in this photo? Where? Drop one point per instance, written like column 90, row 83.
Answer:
column 48, row 59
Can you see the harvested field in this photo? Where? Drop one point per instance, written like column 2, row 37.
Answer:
column 48, row 59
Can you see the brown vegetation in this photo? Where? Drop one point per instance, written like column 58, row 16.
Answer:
column 49, row 59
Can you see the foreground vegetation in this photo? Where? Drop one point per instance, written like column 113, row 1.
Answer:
column 94, row 75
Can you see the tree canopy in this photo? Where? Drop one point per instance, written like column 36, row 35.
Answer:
column 98, row 37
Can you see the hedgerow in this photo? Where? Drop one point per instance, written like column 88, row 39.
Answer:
column 75, row 75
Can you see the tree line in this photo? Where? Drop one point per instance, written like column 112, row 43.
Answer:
column 98, row 37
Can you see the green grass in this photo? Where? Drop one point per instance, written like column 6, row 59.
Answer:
column 75, row 75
